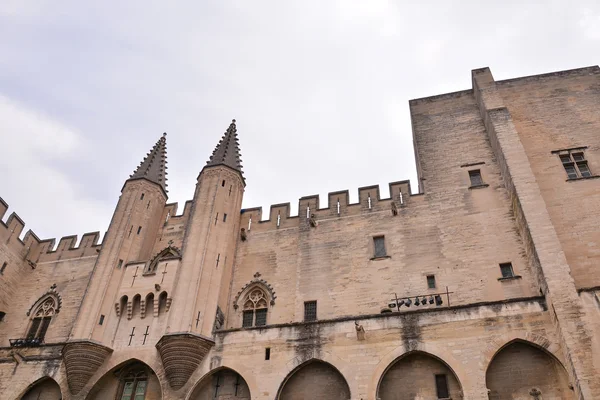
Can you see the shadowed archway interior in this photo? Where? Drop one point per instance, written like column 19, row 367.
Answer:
column 419, row 375
column 132, row 380
column 223, row 384
column 44, row 389
column 524, row 371
column 315, row 380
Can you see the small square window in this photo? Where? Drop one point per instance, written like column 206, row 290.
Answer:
column 565, row 158
column 578, row 157
column 310, row 310
column 248, row 318
column 571, row 171
column 507, row 270
column 431, row 281
column 441, row 386
column 379, row 242
column 583, row 168
column 261, row 317
column 475, row 177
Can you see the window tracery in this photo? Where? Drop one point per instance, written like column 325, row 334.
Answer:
column 255, row 308
column 41, row 318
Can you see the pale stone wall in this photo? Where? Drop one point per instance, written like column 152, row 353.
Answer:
column 554, row 112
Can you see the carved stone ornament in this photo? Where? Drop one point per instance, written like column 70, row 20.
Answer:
column 50, row 298
column 256, row 282
column 82, row 359
column 181, row 354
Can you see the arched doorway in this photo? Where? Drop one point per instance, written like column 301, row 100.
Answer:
column 315, row 380
column 222, row 384
column 44, row 389
column 418, row 375
column 523, row 371
column 132, row 380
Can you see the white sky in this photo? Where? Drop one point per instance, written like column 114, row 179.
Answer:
column 320, row 90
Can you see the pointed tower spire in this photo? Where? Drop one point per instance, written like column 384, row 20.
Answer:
column 154, row 165
column 227, row 151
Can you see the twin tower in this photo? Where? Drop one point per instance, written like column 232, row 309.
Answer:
column 148, row 293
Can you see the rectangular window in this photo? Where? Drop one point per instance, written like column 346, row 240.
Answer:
column 139, row 230
column 2, row 314
column 507, row 270
column 268, row 353
column 441, row 386
column 33, row 328
column 142, row 196
column 310, row 310
column 224, row 217
column 575, row 165
column 119, row 264
column 101, row 320
column 4, row 264
column 430, row 281
column 379, row 242
column 475, row 176
column 261, row 317
column 248, row 318
column 45, row 324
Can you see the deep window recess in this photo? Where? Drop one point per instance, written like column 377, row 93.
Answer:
column 441, row 386
column 379, row 243
column 310, row 310
column 2, row 314
column 475, row 177
column 119, row 264
column 142, row 196
column 267, row 353
column 575, row 165
column 223, row 183
column 4, row 265
column 101, row 320
column 431, row 281
column 224, row 217
column 139, row 230
column 507, row 270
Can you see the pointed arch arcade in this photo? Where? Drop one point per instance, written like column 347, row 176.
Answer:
column 44, row 388
column 221, row 384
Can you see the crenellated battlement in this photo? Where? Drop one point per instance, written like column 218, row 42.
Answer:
column 369, row 200
column 34, row 249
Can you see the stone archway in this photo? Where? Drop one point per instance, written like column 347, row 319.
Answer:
column 130, row 376
column 221, row 384
column 417, row 375
column 522, row 370
column 314, row 380
column 44, row 389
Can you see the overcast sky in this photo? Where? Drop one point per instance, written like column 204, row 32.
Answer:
column 320, row 90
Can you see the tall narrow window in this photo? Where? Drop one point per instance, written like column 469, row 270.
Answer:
column 42, row 317
column 441, row 386
column 4, row 265
column 475, row 177
column 430, row 281
column 2, row 314
column 268, row 353
column 507, row 270
column 379, row 244
column 310, row 310
column 142, row 196
column 223, row 183
column 224, row 217
column 119, row 264
column 255, row 308
column 575, row 165
column 139, row 230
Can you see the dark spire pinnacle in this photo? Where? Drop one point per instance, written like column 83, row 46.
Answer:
column 154, row 165
column 227, row 151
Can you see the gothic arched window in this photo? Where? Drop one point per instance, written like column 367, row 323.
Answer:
column 255, row 308
column 134, row 384
column 41, row 318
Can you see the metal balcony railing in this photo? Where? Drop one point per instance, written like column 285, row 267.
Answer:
column 26, row 342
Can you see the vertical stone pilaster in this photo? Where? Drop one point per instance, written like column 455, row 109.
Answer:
column 541, row 241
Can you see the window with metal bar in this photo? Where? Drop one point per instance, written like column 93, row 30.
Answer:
column 260, row 317
column 379, row 244
column 507, row 270
column 475, row 177
column 248, row 319
column 310, row 310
